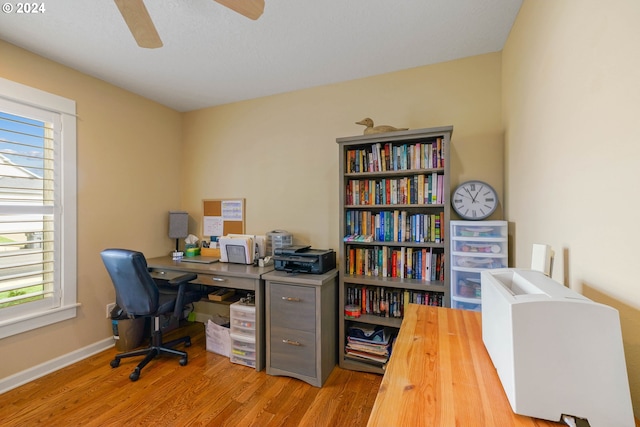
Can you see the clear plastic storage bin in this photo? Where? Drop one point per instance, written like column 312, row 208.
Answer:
column 465, row 284
column 479, row 246
column 475, row 246
column 251, row 362
column 241, row 311
column 473, row 306
column 479, row 261
column 243, row 319
column 243, row 350
column 495, row 229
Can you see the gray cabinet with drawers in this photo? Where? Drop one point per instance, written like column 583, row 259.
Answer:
column 301, row 325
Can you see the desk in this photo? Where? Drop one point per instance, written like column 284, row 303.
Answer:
column 225, row 275
column 440, row 374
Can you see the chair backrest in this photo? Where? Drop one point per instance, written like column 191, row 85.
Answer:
column 136, row 291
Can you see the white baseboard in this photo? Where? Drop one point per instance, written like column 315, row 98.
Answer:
column 53, row 365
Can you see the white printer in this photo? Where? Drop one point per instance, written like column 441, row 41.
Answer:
column 556, row 352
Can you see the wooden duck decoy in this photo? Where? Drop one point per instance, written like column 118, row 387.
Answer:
column 371, row 129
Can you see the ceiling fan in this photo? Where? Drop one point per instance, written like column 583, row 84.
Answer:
column 137, row 17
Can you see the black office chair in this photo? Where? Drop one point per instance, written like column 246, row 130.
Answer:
column 139, row 296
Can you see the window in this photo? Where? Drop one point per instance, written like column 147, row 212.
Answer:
column 37, row 208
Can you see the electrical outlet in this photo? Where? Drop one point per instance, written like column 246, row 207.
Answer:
column 110, row 307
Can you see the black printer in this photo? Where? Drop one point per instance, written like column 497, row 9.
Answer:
column 303, row 259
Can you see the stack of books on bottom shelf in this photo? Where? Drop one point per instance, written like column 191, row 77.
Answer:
column 369, row 344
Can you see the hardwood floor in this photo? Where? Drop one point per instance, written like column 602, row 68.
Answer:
column 209, row 391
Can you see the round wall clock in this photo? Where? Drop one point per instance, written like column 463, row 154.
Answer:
column 474, row 200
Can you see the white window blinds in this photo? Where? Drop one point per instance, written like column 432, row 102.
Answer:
column 28, row 204
column 37, row 208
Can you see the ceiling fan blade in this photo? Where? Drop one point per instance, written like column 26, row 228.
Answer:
column 137, row 17
column 252, row 9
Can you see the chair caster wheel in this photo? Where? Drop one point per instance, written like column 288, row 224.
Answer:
column 115, row 363
column 183, row 361
column 187, row 344
column 134, row 375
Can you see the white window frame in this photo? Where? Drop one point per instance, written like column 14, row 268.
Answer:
column 23, row 317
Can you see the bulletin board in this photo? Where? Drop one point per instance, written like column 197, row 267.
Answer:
column 222, row 217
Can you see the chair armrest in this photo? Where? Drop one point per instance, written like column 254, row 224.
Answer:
column 181, row 282
column 183, row 279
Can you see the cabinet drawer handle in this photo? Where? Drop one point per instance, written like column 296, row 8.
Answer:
column 296, row 343
column 218, row 279
column 291, row 299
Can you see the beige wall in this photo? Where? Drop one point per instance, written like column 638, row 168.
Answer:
column 280, row 154
column 571, row 106
column 128, row 178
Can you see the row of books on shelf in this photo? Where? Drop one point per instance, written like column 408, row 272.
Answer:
column 394, row 226
column 369, row 344
column 388, row 302
column 419, row 189
column 425, row 264
column 393, row 157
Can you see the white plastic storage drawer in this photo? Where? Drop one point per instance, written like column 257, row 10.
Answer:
column 479, row 261
column 243, row 350
column 243, row 319
column 465, row 284
column 241, row 360
column 473, row 306
column 475, row 246
column 479, row 246
column 242, row 325
column 242, row 311
column 490, row 229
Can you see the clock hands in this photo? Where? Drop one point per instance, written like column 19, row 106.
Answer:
column 471, row 196
column 473, row 199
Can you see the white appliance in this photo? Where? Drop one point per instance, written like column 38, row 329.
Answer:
column 556, row 352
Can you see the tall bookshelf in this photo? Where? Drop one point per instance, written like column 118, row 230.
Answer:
column 394, row 217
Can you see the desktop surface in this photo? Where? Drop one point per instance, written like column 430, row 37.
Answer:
column 216, row 268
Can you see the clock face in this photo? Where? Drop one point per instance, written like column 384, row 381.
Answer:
column 474, row 200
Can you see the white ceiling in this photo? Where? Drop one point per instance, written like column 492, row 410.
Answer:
column 213, row 56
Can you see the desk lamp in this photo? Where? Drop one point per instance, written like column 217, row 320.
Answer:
column 178, row 226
